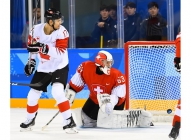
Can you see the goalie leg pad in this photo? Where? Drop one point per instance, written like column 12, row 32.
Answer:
column 77, row 116
column 81, row 119
column 118, row 119
column 145, row 119
column 87, row 121
column 124, row 119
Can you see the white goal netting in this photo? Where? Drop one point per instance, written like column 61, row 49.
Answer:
column 153, row 82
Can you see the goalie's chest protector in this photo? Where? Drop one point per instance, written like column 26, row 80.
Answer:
column 98, row 84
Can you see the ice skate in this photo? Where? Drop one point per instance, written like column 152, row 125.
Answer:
column 175, row 131
column 71, row 127
column 27, row 125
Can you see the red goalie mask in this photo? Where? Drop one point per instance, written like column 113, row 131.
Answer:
column 105, row 60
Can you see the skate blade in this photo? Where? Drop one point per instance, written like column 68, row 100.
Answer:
column 71, row 130
column 25, row 129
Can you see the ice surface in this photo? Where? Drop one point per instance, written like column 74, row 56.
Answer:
column 54, row 130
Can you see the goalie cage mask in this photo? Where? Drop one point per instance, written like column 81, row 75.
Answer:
column 104, row 60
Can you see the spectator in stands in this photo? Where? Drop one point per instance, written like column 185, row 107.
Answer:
column 124, row 12
column 113, row 12
column 105, row 28
column 26, row 27
column 132, row 23
column 152, row 27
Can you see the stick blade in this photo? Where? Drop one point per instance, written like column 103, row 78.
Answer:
column 44, row 127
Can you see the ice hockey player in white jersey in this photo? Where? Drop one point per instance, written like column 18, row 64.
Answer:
column 105, row 105
column 49, row 41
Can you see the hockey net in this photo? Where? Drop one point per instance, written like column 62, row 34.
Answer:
column 152, row 82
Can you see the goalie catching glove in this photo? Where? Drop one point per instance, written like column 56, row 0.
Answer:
column 105, row 104
column 38, row 47
column 29, row 69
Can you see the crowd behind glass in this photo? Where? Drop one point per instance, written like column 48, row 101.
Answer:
column 104, row 32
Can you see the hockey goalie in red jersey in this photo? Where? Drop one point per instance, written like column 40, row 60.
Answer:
column 107, row 88
column 177, row 63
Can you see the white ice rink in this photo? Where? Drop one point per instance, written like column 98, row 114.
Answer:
column 54, row 130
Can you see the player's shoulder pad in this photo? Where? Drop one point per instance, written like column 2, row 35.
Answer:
column 87, row 64
column 117, row 74
column 37, row 27
column 115, row 71
column 63, row 32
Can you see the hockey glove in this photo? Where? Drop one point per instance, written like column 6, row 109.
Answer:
column 177, row 64
column 38, row 47
column 108, row 108
column 70, row 94
column 105, row 104
column 29, row 69
column 175, row 131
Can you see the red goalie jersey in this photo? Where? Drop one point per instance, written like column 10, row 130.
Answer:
column 110, row 84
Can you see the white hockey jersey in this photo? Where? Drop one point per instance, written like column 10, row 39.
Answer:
column 57, row 42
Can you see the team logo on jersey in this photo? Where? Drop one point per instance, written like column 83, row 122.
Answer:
column 98, row 89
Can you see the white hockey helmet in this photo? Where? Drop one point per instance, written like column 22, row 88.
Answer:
column 105, row 60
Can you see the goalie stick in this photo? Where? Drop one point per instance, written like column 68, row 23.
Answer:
column 50, row 121
column 39, row 84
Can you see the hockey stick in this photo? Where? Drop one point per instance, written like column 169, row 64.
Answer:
column 53, row 117
column 39, row 84
column 50, row 121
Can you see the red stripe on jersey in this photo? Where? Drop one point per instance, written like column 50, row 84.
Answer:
column 32, row 109
column 47, row 57
column 30, row 39
column 64, row 106
column 76, row 88
column 61, row 45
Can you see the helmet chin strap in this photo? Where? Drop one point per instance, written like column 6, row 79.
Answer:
column 52, row 25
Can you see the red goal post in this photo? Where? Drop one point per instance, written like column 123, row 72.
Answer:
column 151, row 78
